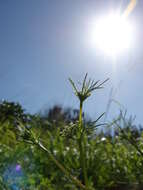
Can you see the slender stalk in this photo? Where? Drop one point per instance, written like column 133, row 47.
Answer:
column 61, row 167
column 80, row 115
column 82, row 147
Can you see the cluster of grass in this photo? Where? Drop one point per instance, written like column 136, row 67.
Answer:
column 66, row 153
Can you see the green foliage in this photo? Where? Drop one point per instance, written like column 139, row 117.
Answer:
column 59, row 153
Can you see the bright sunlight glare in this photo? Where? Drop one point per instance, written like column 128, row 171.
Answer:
column 113, row 34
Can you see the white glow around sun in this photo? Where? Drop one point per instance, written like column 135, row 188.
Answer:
column 113, row 34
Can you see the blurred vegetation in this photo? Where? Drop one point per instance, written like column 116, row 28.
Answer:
column 61, row 149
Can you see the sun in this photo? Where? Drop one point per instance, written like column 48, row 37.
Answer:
column 113, row 34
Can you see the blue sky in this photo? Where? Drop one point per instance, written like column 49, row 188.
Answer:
column 43, row 42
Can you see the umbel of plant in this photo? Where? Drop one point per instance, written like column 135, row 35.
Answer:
column 28, row 136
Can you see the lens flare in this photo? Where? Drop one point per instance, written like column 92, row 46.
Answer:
column 18, row 167
column 13, row 176
column 130, row 8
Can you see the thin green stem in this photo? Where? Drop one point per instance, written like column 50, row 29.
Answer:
column 61, row 167
column 80, row 115
column 82, row 147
